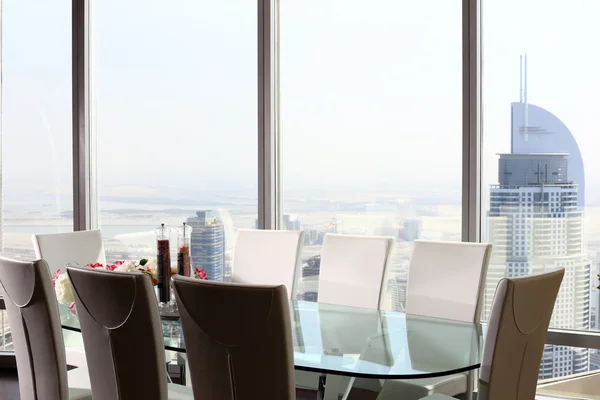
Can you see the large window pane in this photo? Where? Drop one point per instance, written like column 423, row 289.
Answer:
column 36, row 184
column 541, row 171
column 371, row 125
column 175, row 92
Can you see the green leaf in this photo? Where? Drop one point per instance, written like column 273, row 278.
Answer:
column 143, row 261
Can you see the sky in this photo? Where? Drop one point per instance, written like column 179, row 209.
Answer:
column 371, row 93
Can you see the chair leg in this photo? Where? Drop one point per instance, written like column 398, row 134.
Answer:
column 470, row 386
column 321, row 387
column 348, row 389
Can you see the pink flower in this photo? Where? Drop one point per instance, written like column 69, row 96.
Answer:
column 119, row 263
column 111, row 267
column 96, row 265
column 71, row 305
column 200, row 274
column 55, row 277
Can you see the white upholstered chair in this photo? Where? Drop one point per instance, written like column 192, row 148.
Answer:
column 353, row 269
column 516, row 336
column 60, row 249
column 267, row 257
column 445, row 280
column 352, row 273
column 35, row 327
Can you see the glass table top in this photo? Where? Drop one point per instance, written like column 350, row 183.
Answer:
column 366, row 343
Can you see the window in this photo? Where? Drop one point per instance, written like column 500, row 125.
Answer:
column 36, row 184
column 176, row 122
column 360, row 81
column 540, row 118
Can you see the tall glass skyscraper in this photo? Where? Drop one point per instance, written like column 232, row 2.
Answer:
column 535, row 222
column 208, row 244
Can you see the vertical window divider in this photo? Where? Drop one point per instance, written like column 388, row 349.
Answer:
column 472, row 121
column 84, row 199
column 268, row 116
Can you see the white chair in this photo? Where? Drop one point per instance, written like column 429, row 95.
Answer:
column 60, row 249
column 352, row 273
column 516, row 335
column 445, row 280
column 353, row 270
column 267, row 257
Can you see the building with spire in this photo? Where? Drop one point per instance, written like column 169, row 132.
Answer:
column 535, row 221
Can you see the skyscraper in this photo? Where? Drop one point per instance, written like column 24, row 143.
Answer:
column 208, row 244
column 291, row 222
column 535, row 222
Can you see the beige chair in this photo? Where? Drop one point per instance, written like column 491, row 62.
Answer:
column 267, row 257
column 35, row 327
column 436, row 270
column 516, row 335
column 238, row 340
column 122, row 335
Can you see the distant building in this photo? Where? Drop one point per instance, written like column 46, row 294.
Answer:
column 208, row 244
column 309, row 279
column 291, row 222
column 313, row 237
column 596, row 295
column 397, row 290
column 412, row 230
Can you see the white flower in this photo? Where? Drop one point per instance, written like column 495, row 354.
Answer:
column 152, row 266
column 127, row 266
column 64, row 291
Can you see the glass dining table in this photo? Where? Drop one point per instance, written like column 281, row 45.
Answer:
column 362, row 343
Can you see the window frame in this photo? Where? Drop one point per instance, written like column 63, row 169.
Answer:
column 268, row 139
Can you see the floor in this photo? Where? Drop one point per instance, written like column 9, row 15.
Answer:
column 356, row 394
column 9, row 384
column 9, row 389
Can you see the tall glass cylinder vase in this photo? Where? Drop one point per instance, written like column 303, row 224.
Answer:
column 163, row 263
column 184, row 235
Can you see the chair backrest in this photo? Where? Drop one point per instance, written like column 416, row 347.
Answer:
column 267, row 257
column 121, row 332
column 236, row 336
column 446, row 279
column 60, row 249
column 35, row 327
column 353, row 269
column 516, row 335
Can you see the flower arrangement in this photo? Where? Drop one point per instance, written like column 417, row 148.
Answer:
column 64, row 291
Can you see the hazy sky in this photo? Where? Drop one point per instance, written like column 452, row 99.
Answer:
column 370, row 92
